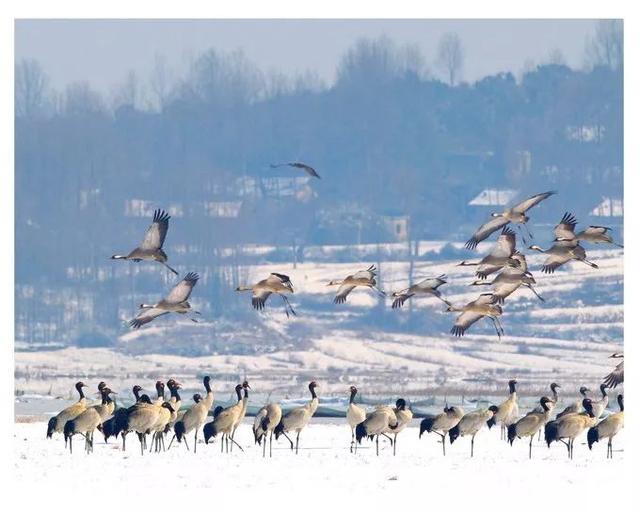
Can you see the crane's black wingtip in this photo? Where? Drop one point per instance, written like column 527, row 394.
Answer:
column 457, row 331
column 160, row 215
column 471, row 244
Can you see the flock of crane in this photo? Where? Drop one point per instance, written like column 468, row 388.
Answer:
column 504, row 259
column 160, row 416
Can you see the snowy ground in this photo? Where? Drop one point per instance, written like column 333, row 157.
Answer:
column 323, row 464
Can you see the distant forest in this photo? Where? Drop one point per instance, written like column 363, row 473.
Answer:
column 388, row 138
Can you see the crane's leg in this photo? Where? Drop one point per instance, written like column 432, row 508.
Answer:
column 287, row 306
column 353, row 436
column 185, row 443
column 535, row 292
column 472, row 438
column 495, row 325
column 264, row 446
column 289, row 439
column 530, row 443
column 381, row 292
column 171, row 442
column 270, row 442
column 222, row 444
column 71, row 444
column 395, row 441
column 444, row 444
column 587, row 262
column 377, row 451
column 528, row 231
column 172, row 270
column 195, row 441
column 234, row 442
column 297, row 441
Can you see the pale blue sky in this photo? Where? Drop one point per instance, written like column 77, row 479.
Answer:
column 102, row 51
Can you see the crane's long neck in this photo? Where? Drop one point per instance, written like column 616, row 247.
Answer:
column 209, row 398
column 621, row 403
column 146, row 306
column 175, row 394
column 244, row 289
column 80, row 392
column 352, row 398
column 239, row 394
column 246, row 394
column 555, row 394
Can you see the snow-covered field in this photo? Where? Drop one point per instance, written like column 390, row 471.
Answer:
column 323, row 464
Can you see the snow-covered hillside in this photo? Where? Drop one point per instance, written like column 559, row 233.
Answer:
column 567, row 338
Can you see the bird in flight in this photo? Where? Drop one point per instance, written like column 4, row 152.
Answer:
column 365, row 278
column 515, row 214
column 175, row 302
column 617, row 375
column 151, row 247
column 299, row 165
column 275, row 283
column 484, row 306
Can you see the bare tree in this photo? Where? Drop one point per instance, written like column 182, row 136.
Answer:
column 369, row 60
column 129, row 92
column 226, row 79
column 413, row 60
column 80, row 99
column 556, row 57
column 30, row 88
column 605, row 47
column 159, row 81
column 528, row 66
column 451, row 56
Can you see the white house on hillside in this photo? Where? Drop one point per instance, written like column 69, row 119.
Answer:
column 608, row 207
column 494, row 197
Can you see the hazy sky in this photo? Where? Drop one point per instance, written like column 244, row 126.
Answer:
column 102, row 51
